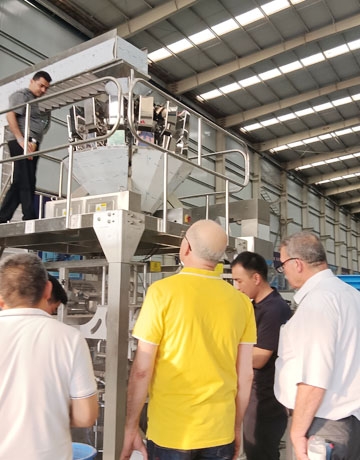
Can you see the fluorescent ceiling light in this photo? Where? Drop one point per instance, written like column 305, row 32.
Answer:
column 318, row 163
column 291, row 67
column 326, row 181
column 356, row 129
column 202, row 37
column 230, row 88
column 275, row 6
column 356, row 97
column 179, row 46
column 294, row 2
column 321, row 107
column 356, row 154
column 270, row 74
column 225, row 27
column 342, row 49
column 323, row 137
column 250, row 16
column 288, row 116
column 302, row 113
column 346, row 157
column 313, row 59
column 332, row 160
column 211, row 94
column 249, row 81
column 158, row 55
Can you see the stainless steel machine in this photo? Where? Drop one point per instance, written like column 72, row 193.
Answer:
column 129, row 149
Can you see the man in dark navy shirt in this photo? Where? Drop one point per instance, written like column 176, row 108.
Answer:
column 265, row 419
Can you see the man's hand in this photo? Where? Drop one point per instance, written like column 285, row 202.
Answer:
column 133, row 441
column 238, row 439
column 300, row 447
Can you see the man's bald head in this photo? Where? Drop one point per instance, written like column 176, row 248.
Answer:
column 208, row 240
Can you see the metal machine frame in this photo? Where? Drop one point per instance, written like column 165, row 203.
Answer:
column 114, row 238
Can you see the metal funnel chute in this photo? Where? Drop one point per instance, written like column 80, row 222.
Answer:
column 108, row 169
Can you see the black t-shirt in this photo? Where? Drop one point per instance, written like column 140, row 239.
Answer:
column 270, row 314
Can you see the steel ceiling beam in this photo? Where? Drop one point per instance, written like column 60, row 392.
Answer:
column 352, row 200
column 148, row 19
column 201, row 78
column 268, row 145
column 355, row 210
column 332, row 175
column 238, row 118
column 66, row 18
column 320, row 157
column 341, row 189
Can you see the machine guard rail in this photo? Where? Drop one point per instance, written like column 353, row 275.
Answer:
column 131, row 124
column 70, row 145
column 244, row 154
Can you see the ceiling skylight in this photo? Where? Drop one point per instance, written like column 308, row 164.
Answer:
column 201, row 37
column 179, row 46
column 225, row 27
column 275, row 6
column 304, row 112
column 249, row 17
column 292, row 66
column 315, row 139
column 329, row 161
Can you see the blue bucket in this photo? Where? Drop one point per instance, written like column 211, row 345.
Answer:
column 83, row 451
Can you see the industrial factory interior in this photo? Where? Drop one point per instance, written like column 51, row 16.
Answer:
column 165, row 112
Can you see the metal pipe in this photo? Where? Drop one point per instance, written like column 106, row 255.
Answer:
column 165, row 192
column 103, row 285
column 69, row 186
column 199, row 146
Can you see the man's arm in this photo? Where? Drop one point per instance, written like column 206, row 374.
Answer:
column 139, row 380
column 84, row 411
column 14, row 128
column 245, row 373
column 308, row 400
column 13, row 125
column 260, row 357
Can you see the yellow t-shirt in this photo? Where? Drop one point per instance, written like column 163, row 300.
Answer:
column 197, row 320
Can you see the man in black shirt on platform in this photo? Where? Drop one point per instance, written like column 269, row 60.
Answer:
column 265, row 419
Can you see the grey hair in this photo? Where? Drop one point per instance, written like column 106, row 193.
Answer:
column 305, row 246
column 23, row 280
column 206, row 245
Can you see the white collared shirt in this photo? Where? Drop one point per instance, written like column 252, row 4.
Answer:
column 320, row 346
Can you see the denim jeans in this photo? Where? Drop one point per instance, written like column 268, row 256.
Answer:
column 224, row 452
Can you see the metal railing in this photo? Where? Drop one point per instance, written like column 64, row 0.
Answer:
column 200, row 156
column 130, row 123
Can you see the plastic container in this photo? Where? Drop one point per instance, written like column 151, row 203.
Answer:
column 83, row 451
column 318, row 449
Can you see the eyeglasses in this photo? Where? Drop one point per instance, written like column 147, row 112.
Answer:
column 183, row 236
column 280, row 268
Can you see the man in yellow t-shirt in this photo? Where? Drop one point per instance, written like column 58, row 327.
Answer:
column 194, row 357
